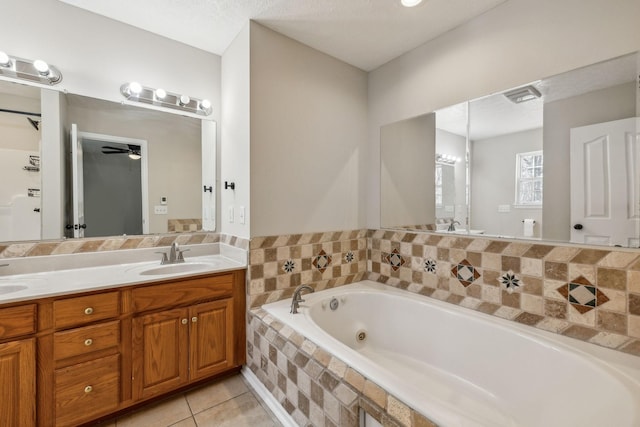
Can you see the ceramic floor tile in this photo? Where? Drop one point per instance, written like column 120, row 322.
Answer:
column 214, row 394
column 162, row 414
column 242, row 411
column 189, row 422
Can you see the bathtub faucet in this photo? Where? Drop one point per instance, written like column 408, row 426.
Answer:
column 297, row 299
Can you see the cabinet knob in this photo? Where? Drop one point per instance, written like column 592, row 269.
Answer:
column 88, row 310
column 88, row 342
column 88, row 389
column 184, row 321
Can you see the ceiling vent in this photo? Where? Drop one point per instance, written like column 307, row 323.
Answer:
column 523, row 94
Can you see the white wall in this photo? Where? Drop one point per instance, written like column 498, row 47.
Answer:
column 234, row 146
column 407, row 172
column 493, row 183
column 517, row 42
column 308, row 138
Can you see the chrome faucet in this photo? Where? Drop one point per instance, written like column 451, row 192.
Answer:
column 175, row 255
column 452, row 225
column 297, row 299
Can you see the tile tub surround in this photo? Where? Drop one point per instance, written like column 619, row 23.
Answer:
column 278, row 264
column 587, row 293
column 313, row 386
column 76, row 246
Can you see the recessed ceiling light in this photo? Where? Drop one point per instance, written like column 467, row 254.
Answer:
column 410, row 3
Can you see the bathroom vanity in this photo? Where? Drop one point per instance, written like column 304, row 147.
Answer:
column 72, row 358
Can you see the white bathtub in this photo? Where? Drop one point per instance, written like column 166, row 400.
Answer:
column 459, row 367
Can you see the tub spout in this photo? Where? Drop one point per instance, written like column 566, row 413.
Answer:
column 297, row 299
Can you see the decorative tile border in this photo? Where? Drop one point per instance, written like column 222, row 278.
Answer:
column 313, row 386
column 278, row 264
column 75, row 246
column 585, row 293
column 184, row 225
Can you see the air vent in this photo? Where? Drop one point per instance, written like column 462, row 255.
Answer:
column 523, row 94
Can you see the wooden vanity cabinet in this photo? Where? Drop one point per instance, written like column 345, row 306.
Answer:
column 195, row 340
column 18, row 366
column 100, row 352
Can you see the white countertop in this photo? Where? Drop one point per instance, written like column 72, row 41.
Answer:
column 65, row 280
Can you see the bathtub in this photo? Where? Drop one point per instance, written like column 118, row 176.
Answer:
column 459, row 367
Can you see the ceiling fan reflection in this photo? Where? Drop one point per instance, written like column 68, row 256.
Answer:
column 133, row 151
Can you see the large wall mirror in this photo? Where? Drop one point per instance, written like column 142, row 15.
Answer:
column 127, row 170
column 556, row 159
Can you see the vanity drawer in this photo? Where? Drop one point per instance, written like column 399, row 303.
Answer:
column 17, row 321
column 80, row 310
column 87, row 390
column 78, row 341
column 187, row 291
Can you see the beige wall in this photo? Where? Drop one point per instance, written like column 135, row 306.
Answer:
column 517, row 42
column 308, row 138
column 234, row 146
column 407, row 172
column 96, row 54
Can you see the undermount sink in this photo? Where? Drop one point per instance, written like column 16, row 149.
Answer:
column 9, row 289
column 176, row 268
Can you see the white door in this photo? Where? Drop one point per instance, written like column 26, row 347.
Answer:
column 605, row 183
column 78, row 191
column 208, row 175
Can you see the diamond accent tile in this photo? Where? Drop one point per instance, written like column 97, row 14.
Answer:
column 510, row 281
column 289, row 266
column 430, row 265
column 322, row 261
column 465, row 272
column 395, row 260
column 582, row 294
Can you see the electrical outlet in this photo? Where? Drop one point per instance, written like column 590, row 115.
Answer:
column 160, row 209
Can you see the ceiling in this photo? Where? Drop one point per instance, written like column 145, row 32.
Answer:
column 363, row 33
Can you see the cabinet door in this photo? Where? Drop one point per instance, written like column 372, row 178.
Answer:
column 211, row 338
column 159, row 347
column 18, row 383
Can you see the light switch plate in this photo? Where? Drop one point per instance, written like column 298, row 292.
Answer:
column 160, row 209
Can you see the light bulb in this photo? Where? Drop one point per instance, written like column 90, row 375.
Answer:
column 205, row 104
column 135, row 88
column 410, row 3
column 134, row 156
column 5, row 61
column 41, row 66
column 184, row 100
column 160, row 93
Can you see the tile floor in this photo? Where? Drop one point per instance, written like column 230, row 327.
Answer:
column 226, row 403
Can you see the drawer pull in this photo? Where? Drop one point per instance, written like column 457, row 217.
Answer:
column 88, row 389
column 194, row 319
column 88, row 310
column 88, row 342
column 184, row 321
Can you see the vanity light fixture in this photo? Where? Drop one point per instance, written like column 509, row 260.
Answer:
column 410, row 3
column 447, row 159
column 134, row 91
column 25, row 69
